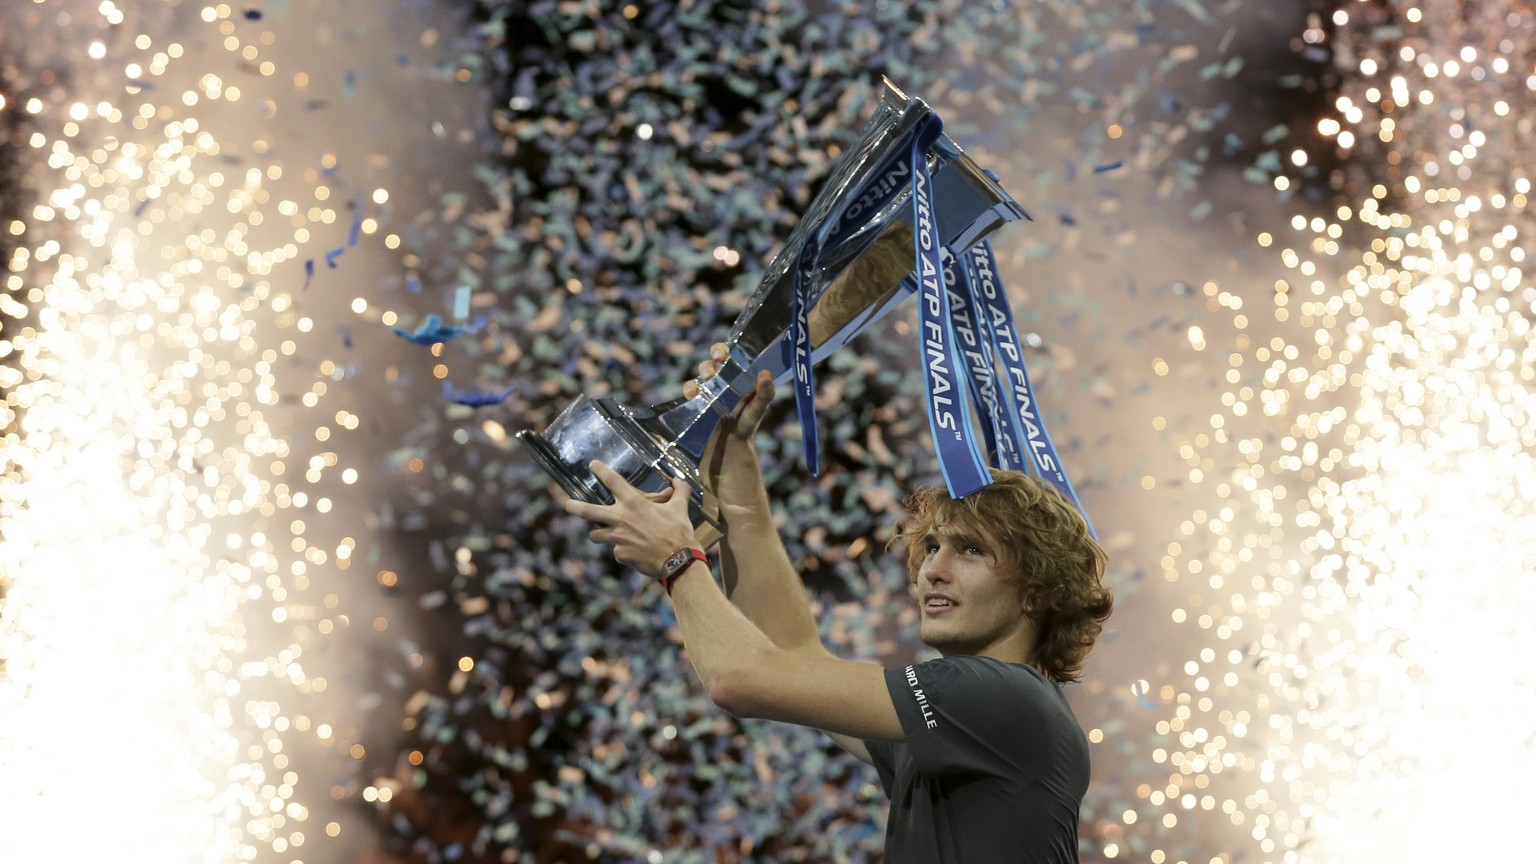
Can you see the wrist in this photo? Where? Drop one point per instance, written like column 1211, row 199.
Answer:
column 679, row 562
column 684, row 576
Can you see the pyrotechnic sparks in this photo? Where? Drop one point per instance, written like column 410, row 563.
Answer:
column 168, row 506
column 1365, row 573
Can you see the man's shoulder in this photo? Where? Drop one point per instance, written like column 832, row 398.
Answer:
column 986, row 669
column 1007, row 686
column 978, row 714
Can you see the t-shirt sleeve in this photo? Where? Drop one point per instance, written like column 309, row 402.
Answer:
column 962, row 713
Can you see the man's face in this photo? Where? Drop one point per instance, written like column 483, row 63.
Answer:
column 968, row 605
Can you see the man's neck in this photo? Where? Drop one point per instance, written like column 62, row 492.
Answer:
column 1017, row 648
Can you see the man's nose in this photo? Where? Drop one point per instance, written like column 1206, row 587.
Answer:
column 935, row 567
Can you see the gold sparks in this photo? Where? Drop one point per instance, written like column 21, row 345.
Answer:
column 169, row 495
column 1365, row 560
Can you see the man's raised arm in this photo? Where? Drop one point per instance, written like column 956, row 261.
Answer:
column 758, row 576
column 743, row 670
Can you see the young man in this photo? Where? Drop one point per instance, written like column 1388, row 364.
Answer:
column 979, row 752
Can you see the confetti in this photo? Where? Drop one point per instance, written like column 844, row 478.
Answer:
column 432, row 330
column 476, row 398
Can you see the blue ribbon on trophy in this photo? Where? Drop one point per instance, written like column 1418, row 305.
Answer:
column 1029, row 435
column 976, row 346
column 877, row 192
column 798, row 347
column 954, row 302
column 948, row 403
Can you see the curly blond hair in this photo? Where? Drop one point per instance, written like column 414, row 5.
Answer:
column 1045, row 541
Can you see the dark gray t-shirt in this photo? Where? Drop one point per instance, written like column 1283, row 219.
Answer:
column 993, row 769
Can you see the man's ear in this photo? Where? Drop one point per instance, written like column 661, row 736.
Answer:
column 1028, row 602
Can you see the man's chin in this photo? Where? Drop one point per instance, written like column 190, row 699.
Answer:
column 938, row 640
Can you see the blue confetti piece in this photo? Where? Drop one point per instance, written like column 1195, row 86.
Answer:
column 1067, row 219
column 309, row 272
column 357, row 228
column 252, row 14
column 1109, row 166
column 346, row 334
column 476, row 398
column 1141, row 698
column 461, row 302
column 413, row 285
column 331, row 256
column 432, row 331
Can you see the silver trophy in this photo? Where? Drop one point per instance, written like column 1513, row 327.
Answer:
column 862, row 222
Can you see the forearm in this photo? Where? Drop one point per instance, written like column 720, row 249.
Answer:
column 758, row 576
column 749, row 676
column 741, row 667
column 760, row 579
column 722, row 643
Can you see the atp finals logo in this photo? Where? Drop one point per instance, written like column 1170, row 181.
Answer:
column 1018, row 379
column 934, row 344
